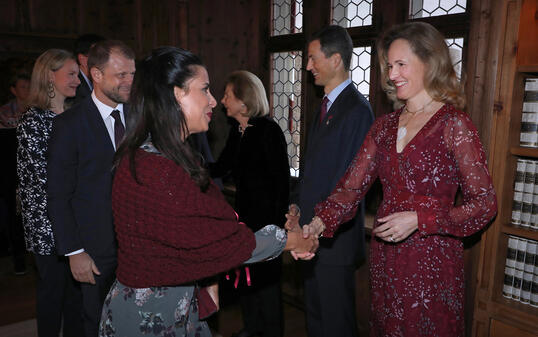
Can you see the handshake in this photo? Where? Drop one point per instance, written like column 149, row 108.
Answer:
column 303, row 241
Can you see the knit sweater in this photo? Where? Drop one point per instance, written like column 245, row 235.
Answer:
column 169, row 232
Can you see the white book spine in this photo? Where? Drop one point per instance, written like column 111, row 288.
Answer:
column 528, row 272
column 526, row 210
column 529, row 115
column 509, row 269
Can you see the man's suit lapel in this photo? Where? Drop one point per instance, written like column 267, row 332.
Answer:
column 97, row 126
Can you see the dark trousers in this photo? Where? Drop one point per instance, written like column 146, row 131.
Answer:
column 261, row 303
column 12, row 224
column 330, row 300
column 93, row 295
column 58, row 296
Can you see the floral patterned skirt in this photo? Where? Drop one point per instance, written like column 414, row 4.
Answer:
column 157, row 311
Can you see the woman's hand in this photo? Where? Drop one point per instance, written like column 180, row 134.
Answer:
column 300, row 247
column 314, row 228
column 396, row 227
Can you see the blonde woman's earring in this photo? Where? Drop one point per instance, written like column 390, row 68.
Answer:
column 51, row 92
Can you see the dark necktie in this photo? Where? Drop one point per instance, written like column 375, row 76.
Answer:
column 323, row 109
column 119, row 129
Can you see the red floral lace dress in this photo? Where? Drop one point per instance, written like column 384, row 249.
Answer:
column 417, row 285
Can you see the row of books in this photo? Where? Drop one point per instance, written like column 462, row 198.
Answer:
column 525, row 203
column 521, row 271
column 529, row 117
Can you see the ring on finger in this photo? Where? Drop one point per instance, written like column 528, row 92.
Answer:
column 391, row 239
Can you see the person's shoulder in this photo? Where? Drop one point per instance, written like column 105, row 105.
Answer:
column 455, row 115
column 76, row 111
column 264, row 126
column 267, row 123
column 350, row 99
column 35, row 114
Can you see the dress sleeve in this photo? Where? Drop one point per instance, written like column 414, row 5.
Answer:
column 270, row 242
column 342, row 204
column 479, row 200
column 31, row 138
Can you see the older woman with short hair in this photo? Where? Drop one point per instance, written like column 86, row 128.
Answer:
column 255, row 156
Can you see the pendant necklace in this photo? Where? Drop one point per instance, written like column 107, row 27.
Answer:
column 402, row 130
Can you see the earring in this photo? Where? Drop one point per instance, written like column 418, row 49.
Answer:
column 51, row 92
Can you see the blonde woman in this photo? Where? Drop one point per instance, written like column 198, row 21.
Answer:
column 255, row 156
column 54, row 78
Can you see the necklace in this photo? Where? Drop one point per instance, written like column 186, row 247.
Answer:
column 402, row 130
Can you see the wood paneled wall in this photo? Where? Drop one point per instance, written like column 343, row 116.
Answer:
column 227, row 34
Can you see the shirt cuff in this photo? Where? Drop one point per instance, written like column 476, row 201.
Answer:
column 75, row 252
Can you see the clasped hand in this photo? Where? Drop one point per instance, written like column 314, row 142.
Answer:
column 304, row 235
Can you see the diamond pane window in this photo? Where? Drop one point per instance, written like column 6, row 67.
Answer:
column 286, row 101
column 352, row 13
column 455, row 47
column 287, row 17
column 360, row 69
column 427, row 8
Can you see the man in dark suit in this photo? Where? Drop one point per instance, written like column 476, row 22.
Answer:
column 82, row 48
column 336, row 135
column 81, row 150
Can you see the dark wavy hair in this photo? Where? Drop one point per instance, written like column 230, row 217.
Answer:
column 155, row 113
column 440, row 79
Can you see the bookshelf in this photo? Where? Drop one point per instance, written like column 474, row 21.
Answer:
column 494, row 314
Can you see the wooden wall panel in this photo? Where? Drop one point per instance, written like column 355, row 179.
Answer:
column 9, row 15
column 52, row 17
column 226, row 43
column 527, row 53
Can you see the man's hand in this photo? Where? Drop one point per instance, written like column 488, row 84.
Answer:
column 293, row 216
column 83, row 268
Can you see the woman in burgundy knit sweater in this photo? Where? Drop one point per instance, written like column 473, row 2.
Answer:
column 173, row 226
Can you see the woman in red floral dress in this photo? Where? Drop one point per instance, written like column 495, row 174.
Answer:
column 422, row 153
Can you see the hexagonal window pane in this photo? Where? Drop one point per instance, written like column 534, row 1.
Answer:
column 286, row 99
column 427, row 8
column 287, row 17
column 360, row 69
column 352, row 13
column 455, row 47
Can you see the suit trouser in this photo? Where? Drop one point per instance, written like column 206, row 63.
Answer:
column 93, row 295
column 330, row 300
column 58, row 295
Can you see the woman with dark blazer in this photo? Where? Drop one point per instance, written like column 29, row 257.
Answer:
column 255, row 155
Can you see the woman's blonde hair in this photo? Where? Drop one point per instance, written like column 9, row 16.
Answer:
column 440, row 79
column 249, row 88
column 50, row 60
